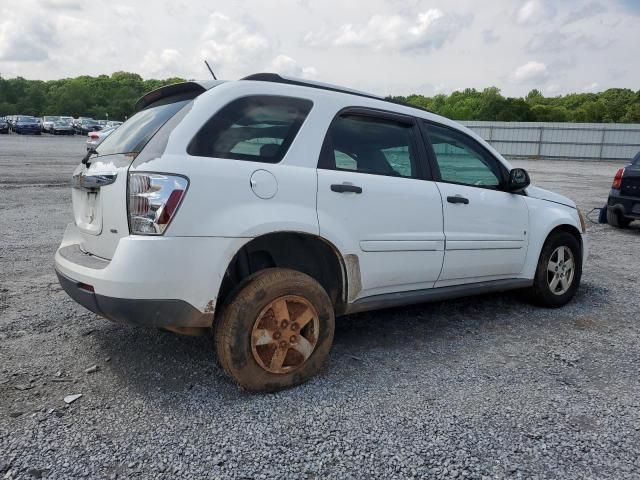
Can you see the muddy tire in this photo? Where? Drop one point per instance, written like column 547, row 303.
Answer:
column 559, row 271
column 275, row 331
column 616, row 220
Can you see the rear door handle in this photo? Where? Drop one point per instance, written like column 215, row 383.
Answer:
column 344, row 188
column 457, row 199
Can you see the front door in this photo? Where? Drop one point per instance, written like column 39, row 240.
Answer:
column 485, row 227
column 376, row 205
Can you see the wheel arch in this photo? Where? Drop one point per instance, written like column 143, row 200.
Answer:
column 544, row 223
column 301, row 251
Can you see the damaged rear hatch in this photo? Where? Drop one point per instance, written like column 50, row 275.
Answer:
column 99, row 192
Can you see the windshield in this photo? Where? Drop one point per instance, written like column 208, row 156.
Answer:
column 636, row 159
column 133, row 135
column 26, row 119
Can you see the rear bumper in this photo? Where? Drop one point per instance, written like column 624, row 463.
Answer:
column 624, row 205
column 152, row 281
column 144, row 312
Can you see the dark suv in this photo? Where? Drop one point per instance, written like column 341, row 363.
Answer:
column 623, row 206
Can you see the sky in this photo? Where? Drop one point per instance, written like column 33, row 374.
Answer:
column 386, row 47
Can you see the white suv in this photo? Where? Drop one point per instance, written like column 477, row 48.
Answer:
column 266, row 206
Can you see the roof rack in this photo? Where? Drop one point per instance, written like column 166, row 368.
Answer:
column 275, row 78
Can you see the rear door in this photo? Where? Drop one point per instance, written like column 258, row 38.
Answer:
column 376, row 203
column 485, row 227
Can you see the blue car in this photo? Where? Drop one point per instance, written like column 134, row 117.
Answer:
column 27, row 124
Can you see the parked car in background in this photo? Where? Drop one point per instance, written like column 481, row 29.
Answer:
column 4, row 125
column 87, row 125
column 263, row 208
column 113, row 123
column 95, row 138
column 47, row 122
column 27, row 124
column 61, row 127
column 623, row 206
column 77, row 121
column 67, row 119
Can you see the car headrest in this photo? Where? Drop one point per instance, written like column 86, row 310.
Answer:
column 269, row 150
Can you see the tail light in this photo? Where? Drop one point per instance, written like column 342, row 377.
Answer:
column 94, row 136
column 617, row 179
column 154, row 199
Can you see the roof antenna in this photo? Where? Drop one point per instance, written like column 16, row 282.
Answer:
column 212, row 74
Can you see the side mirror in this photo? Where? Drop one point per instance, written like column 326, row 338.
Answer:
column 518, row 180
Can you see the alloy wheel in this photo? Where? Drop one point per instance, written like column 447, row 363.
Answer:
column 285, row 334
column 561, row 270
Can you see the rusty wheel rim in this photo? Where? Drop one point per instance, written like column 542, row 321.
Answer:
column 285, row 334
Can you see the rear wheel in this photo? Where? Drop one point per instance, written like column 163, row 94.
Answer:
column 276, row 331
column 559, row 270
column 616, row 219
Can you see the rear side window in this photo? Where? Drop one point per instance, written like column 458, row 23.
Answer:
column 257, row 128
column 133, row 135
column 371, row 145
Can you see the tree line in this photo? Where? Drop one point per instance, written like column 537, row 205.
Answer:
column 85, row 96
column 116, row 95
column 615, row 105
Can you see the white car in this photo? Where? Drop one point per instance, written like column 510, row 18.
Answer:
column 47, row 123
column 96, row 138
column 266, row 206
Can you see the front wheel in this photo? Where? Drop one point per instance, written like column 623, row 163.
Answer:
column 559, row 270
column 276, row 331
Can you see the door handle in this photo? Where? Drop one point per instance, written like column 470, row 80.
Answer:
column 457, row 199
column 344, row 188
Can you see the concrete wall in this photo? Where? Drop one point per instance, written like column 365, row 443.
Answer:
column 590, row 141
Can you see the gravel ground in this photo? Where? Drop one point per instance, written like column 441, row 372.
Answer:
column 481, row 387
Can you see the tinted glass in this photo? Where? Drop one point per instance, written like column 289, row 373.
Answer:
column 133, row 135
column 636, row 159
column 461, row 160
column 371, row 145
column 258, row 128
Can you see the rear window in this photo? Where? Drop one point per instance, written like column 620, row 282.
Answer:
column 257, row 128
column 133, row 135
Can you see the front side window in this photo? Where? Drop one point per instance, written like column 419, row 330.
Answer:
column 370, row 145
column 460, row 160
column 258, row 128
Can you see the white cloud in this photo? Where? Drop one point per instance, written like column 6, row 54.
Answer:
column 288, row 66
column 428, row 31
column 62, row 4
column 586, row 11
column 24, row 38
column 489, row 36
column 534, row 12
column 592, row 87
column 163, row 64
column 231, row 45
column 530, row 72
column 557, row 41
